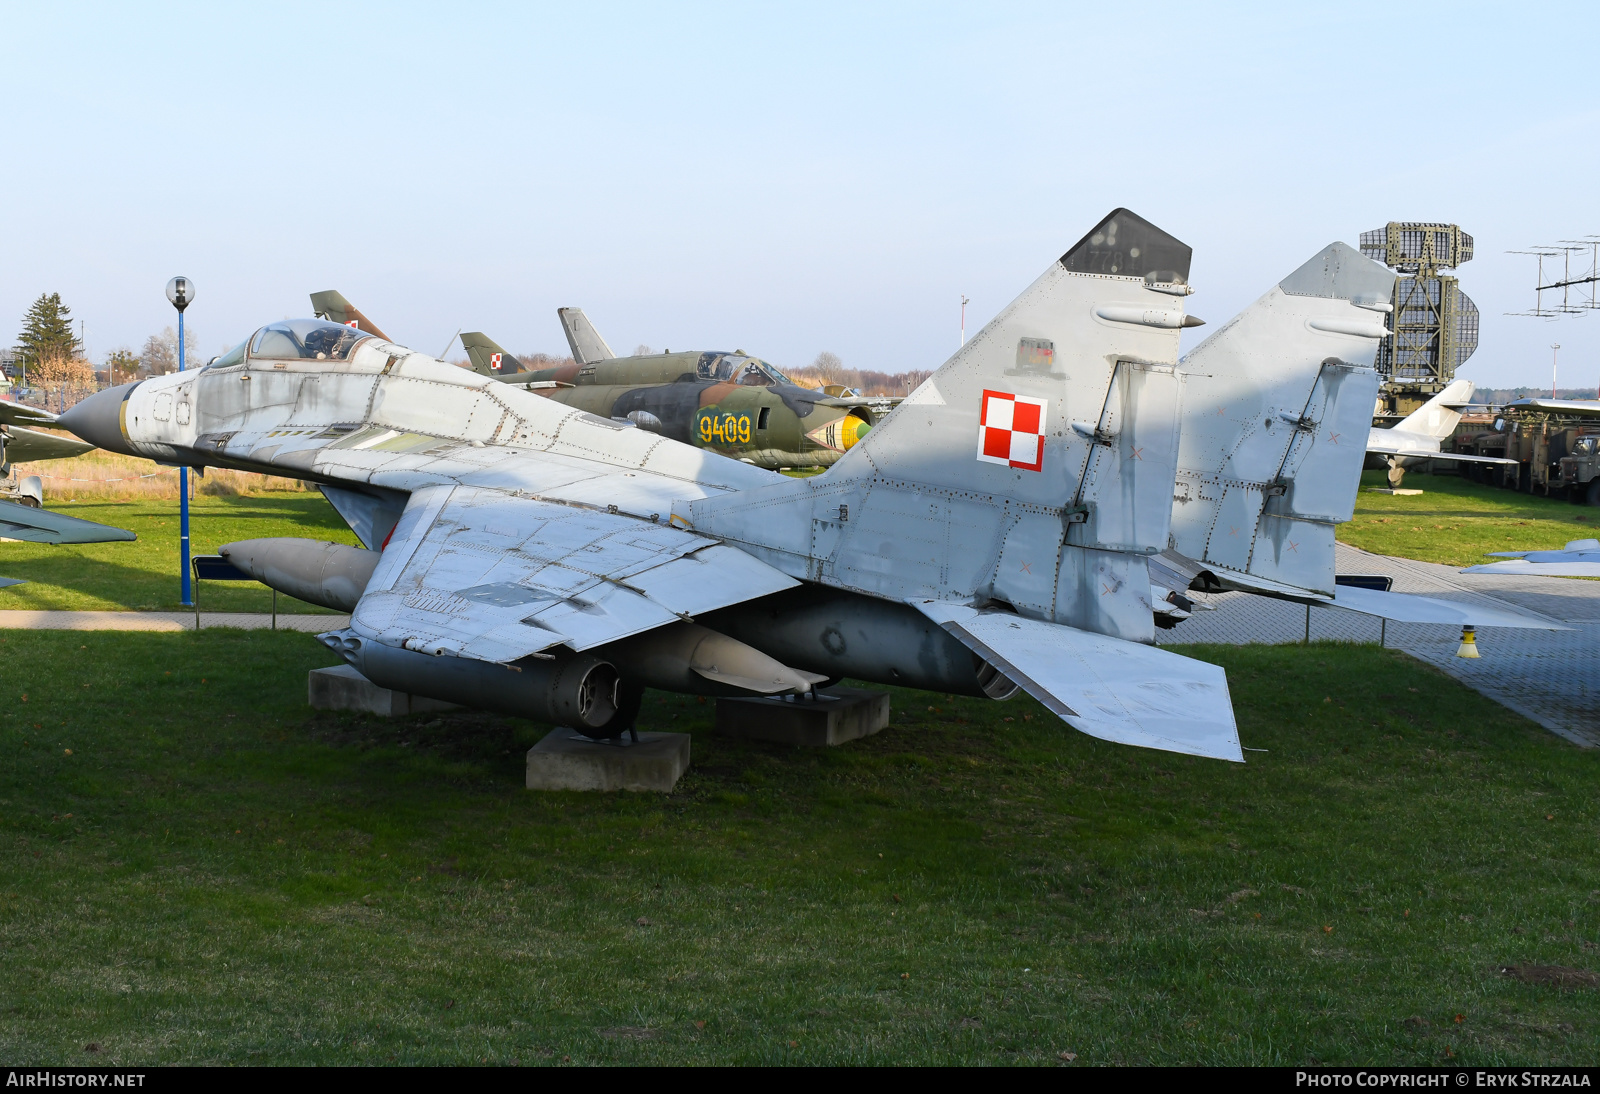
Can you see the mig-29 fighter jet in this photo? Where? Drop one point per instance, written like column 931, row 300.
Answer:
column 1012, row 525
column 730, row 403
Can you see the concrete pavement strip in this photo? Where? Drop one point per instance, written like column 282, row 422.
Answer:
column 165, row 621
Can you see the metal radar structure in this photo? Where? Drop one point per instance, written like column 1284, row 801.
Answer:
column 1434, row 326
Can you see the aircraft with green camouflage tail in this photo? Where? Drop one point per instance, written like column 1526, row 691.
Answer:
column 731, row 403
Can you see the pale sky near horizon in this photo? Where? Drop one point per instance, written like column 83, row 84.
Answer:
column 779, row 178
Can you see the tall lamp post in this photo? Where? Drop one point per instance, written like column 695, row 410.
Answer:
column 180, row 291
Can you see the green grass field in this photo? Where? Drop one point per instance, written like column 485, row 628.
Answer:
column 143, row 575
column 195, row 867
column 1457, row 522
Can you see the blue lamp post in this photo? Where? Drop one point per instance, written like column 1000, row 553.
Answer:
column 180, row 290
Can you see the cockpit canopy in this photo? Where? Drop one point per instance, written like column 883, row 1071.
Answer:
column 734, row 368
column 309, row 339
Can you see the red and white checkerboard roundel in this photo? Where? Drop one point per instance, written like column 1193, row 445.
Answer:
column 494, row 361
column 352, row 323
column 1011, row 430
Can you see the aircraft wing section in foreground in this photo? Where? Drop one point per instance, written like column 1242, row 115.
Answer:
column 1118, row 691
column 491, row 576
column 24, row 522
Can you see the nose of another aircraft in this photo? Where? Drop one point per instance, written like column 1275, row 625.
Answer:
column 98, row 419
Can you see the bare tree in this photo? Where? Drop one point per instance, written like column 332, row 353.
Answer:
column 160, row 353
column 642, row 350
column 828, row 367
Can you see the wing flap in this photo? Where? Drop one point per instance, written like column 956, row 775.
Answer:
column 492, row 576
column 1118, row 691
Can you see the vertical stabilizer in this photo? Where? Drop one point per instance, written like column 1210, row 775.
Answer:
column 487, row 358
column 332, row 306
column 1277, row 408
column 1439, row 416
column 587, row 345
column 1034, row 469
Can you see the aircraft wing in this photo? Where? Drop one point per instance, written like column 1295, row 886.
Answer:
column 1580, row 558
column 1537, row 569
column 28, row 445
column 489, row 575
column 24, row 522
column 1380, row 449
column 18, row 414
column 1557, row 406
column 1108, row 688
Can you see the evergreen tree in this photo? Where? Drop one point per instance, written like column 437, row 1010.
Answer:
column 46, row 331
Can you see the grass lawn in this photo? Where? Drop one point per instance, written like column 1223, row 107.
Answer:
column 194, row 867
column 1456, row 522
column 143, row 575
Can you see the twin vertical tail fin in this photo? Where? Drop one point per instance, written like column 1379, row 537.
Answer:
column 1034, row 468
column 332, row 306
column 1278, row 408
column 587, row 345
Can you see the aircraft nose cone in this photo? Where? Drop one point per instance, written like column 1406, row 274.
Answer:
column 98, row 419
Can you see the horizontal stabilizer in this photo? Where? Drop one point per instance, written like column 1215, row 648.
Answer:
column 24, row 522
column 1410, row 608
column 1118, row 691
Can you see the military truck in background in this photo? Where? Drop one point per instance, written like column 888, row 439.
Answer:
column 1556, row 443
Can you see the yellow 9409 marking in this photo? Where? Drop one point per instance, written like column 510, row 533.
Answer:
column 725, row 429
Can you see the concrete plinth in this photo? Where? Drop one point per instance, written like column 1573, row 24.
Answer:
column 835, row 716
column 343, row 688
column 566, row 760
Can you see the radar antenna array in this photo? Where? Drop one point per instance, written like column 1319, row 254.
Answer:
column 1577, row 290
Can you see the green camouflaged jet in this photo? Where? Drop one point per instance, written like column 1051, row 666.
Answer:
column 731, row 403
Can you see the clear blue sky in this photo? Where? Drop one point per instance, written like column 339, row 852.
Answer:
column 778, row 178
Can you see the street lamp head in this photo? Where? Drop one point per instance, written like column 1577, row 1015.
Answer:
column 180, row 291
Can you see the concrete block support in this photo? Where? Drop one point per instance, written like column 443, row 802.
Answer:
column 343, row 688
column 565, row 760
column 836, row 715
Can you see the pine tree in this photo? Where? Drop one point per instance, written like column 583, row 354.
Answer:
column 46, row 331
